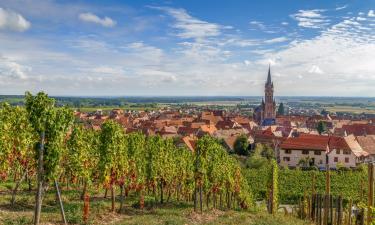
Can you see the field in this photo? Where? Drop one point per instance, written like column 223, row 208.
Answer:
column 351, row 109
column 154, row 213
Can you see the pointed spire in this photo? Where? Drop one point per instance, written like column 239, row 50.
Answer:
column 269, row 81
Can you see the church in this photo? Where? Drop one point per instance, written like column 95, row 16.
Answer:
column 265, row 114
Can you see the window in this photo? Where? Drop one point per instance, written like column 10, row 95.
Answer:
column 286, row 159
column 346, row 159
column 288, row 151
column 335, row 159
column 305, row 152
column 346, row 152
column 317, row 152
column 338, row 151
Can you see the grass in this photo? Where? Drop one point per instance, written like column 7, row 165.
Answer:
column 171, row 213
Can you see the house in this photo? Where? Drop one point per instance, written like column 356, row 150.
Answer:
column 368, row 144
column 316, row 149
column 313, row 147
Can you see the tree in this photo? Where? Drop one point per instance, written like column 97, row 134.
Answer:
column 241, row 145
column 281, row 110
column 137, row 165
column 260, row 156
column 18, row 139
column 321, row 127
column 39, row 108
column 113, row 156
column 52, row 125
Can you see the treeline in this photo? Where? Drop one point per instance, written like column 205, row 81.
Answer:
column 41, row 143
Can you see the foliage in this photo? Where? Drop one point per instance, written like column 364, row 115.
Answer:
column 217, row 172
column 294, row 183
column 241, row 145
column 260, row 156
column 54, row 122
column 113, row 164
column 321, row 127
column 281, row 110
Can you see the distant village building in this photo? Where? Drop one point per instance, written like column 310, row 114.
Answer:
column 265, row 114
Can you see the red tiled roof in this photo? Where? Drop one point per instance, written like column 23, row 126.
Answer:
column 367, row 143
column 310, row 142
column 359, row 129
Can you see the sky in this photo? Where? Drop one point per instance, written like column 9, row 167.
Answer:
column 187, row 48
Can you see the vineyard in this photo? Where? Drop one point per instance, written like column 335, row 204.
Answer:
column 41, row 146
column 294, row 184
column 55, row 169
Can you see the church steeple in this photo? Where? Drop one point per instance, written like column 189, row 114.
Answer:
column 269, row 80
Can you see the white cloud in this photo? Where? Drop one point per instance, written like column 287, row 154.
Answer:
column 315, row 69
column 341, row 7
column 371, row 13
column 345, row 50
column 276, row 40
column 311, row 18
column 191, row 27
column 258, row 24
column 12, row 69
column 284, row 23
column 107, row 70
column 13, row 21
column 92, row 18
column 361, row 18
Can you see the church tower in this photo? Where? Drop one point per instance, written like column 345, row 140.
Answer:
column 265, row 114
column 269, row 105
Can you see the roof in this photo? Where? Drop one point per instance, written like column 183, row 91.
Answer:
column 308, row 142
column 208, row 129
column 190, row 142
column 367, row 143
column 324, row 143
column 359, row 129
column 269, row 80
column 354, row 146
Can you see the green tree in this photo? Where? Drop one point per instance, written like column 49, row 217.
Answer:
column 113, row 156
column 241, row 145
column 39, row 108
column 52, row 124
column 260, row 156
column 321, row 127
column 137, row 165
column 81, row 156
column 18, row 139
column 281, row 110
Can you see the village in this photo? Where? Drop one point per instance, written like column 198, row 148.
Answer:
column 297, row 139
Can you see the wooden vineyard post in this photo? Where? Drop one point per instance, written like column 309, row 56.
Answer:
column 370, row 192
column 38, row 200
column 313, row 198
column 331, row 209
column 86, row 208
column 60, row 202
column 339, row 211
column 313, row 205
column 321, row 209
column 326, row 197
column 350, row 212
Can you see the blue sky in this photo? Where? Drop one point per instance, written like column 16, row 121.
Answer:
column 101, row 48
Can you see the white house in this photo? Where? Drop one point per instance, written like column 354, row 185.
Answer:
column 316, row 149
